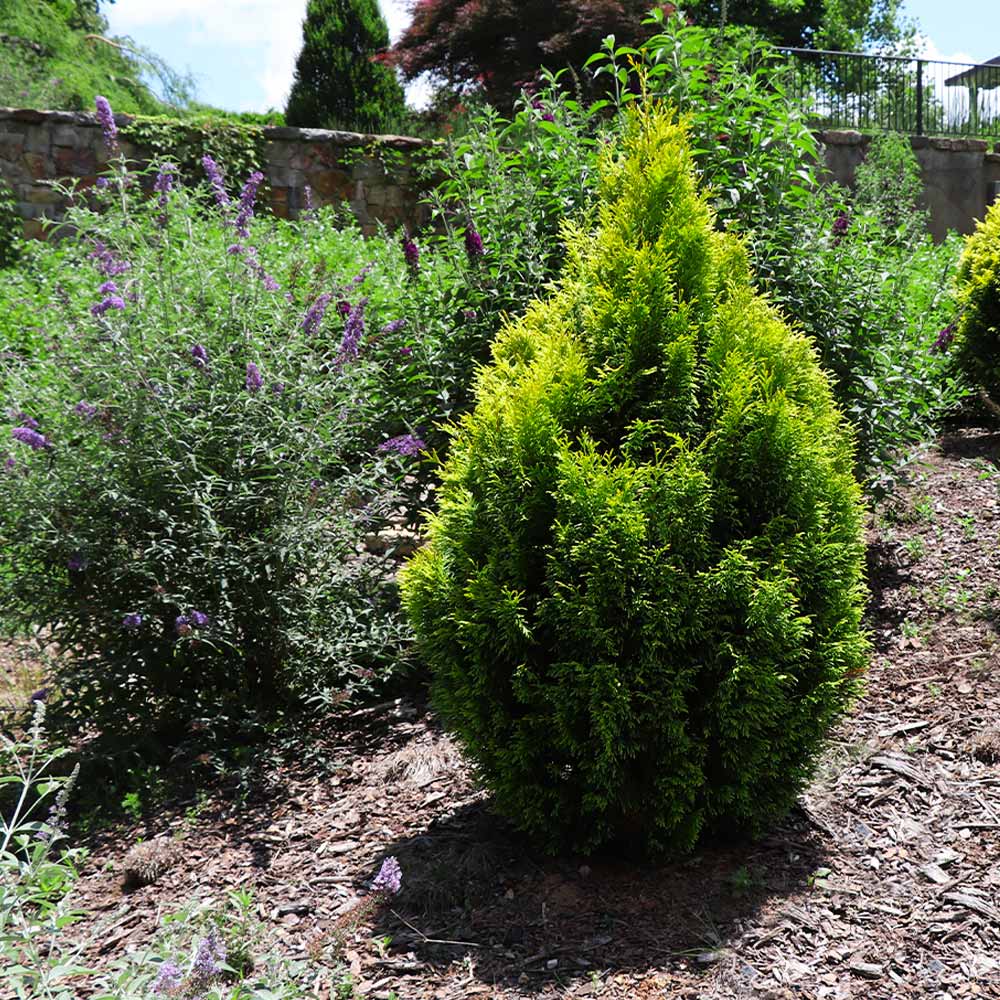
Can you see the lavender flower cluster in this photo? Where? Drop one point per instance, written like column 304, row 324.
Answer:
column 106, row 119
column 207, row 968
column 354, row 332
column 405, row 444
column 163, row 185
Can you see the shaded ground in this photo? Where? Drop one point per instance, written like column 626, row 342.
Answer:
column 884, row 883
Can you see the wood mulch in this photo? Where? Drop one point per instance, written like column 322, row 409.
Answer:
column 883, row 883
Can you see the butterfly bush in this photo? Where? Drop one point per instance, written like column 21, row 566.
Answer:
column 227, row 412
column 192, row 464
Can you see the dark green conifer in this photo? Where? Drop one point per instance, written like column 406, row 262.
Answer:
column 338, row 81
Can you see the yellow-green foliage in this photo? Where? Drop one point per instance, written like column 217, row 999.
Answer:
column 977, row 335
column 642, row 590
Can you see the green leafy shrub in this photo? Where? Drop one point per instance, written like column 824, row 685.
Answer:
column 873, row 297
column 977, row 287
column 642, row 591
column 11, row 228
column 169, row 487
column 751, row 139
column 888, row 188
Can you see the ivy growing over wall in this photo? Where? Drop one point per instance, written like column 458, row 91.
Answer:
column 237, row 147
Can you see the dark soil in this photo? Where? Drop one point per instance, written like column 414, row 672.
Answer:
column 883, row 883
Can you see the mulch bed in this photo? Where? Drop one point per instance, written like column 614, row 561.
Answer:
column 884, row 883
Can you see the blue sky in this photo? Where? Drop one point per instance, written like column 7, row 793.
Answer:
column 963, row 30
column 242, row 52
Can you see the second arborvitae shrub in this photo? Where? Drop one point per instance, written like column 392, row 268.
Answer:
column 977, row 334
column 642, row 591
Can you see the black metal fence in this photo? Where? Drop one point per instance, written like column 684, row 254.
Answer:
column 893, row 93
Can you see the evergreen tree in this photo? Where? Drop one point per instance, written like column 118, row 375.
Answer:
column 338, row 83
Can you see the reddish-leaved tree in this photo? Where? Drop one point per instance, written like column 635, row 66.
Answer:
column 500, row 45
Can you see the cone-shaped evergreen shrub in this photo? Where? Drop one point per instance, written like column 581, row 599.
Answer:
column 338, row 83
column 977, row 335
column 642, row 591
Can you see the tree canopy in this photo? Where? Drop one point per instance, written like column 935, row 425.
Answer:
column 497, row 46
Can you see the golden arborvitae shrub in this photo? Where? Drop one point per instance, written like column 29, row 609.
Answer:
column 642, row 591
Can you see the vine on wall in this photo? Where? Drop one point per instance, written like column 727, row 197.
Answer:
column 236, row 147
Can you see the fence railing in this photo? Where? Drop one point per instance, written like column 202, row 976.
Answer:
column 895, row 93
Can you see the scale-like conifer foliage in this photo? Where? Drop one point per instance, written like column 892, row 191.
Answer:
column 977, row 334
column 338, row 83
column 642, row 590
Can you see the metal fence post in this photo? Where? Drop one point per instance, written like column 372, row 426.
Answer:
column 920, row 97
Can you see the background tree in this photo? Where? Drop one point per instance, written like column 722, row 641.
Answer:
column 59, row 54
column 338, row 83
column 844, row 25
column 497, row 46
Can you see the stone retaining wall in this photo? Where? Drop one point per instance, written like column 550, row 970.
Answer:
column 375, row 175
column 961, row 176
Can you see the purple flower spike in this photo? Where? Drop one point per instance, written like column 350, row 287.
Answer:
column 86, row 410
column 314, row 314
column 30, row 437
column 132, row 621
column 394, row 326
column 247, row 199
column 26, row 421
column 107, row 263
column 254, row 380
column 199, row 356
column 168, row 980
column 389, row 878
column 101, row 183
column 111, row 302
column 107, row 288
column 215, row 179
column 107, row 121
column 944, row 339
column 208, row 959
column 198, row 619
column 163, row 185
column 344, row 307
column 182, row 625
column 404, row 444
column 411, row 253
column 474, row 248
column 354, row 331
